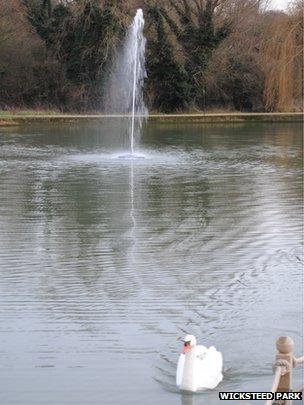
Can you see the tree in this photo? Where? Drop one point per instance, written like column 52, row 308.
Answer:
column 167, row 78
column 231, row 53
column 193, row 24
column 282, row 61
column 27, row 77
column 81, row 35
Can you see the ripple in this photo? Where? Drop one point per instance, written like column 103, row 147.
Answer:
column 106, row 263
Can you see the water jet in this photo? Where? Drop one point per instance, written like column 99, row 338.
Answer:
column 125, row 91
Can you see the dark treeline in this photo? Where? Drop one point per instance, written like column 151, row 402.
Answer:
column 201, row 54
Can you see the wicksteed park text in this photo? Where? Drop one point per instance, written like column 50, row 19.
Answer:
column 260, row 396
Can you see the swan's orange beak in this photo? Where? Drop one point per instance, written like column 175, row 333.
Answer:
column 186, row 347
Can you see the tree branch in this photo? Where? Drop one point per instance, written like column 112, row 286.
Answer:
column 173, row 26
column 178, row 10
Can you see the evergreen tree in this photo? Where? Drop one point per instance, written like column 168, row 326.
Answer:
column 81, row 36
column 166, row 76
column 195, row 31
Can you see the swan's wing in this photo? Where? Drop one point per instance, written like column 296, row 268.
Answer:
column 209, row 369
column 201, row 351
column 180, row 369
column 215, row 357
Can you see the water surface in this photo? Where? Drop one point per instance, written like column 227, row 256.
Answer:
column 105, row 263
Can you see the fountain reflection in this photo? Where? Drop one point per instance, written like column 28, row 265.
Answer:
column 105, row 262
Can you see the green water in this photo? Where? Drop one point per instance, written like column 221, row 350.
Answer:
column 105, row 263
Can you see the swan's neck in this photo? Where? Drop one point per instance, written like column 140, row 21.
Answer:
column 188, row 379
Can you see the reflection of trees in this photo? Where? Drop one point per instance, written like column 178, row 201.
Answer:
column 234, row 137
column 173, row 206
column 79, row 220
column 75, row 223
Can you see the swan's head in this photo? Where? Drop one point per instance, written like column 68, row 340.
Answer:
column 189, row 342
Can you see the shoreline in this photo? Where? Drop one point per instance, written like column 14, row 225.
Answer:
column 16, row 119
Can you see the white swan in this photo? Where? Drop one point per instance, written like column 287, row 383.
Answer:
column 198, row 368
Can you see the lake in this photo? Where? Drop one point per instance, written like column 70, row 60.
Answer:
column 106, row 263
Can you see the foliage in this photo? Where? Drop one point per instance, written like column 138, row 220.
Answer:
column 194, row 28
column 223, row 53
column 238, row 80
column 28, row 77
column 282, row 62
column 167, row 78
column 80, row 36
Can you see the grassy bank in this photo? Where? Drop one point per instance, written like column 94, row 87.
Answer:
column 30, row 117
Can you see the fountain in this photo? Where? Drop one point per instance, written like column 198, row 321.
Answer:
column 124, row 94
